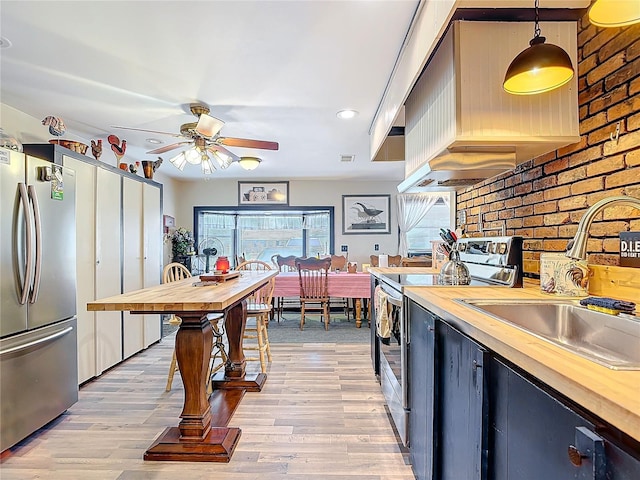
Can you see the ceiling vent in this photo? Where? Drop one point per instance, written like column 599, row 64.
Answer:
column 347, row 158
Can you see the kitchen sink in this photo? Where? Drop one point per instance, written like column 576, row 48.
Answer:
column 609, row 340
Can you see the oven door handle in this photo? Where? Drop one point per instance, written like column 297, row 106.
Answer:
column 394, row 301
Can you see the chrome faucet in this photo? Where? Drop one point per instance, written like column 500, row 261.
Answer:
column 577, row 247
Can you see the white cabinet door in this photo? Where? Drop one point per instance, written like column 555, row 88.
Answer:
column 108, row 271
column 152, row 240
column 85, row 175
column 133, row 333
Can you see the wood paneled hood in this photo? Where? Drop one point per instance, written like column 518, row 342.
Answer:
column 462, row 127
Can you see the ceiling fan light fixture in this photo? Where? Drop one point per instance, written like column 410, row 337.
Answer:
column 193, row 155
column 539, row 68
column 208, row 125
column 614, row 13
column 249, row 163
column 179, row 161
column 207, row 165
column 223, row 160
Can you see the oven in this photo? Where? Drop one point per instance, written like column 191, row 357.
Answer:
column 492, row 261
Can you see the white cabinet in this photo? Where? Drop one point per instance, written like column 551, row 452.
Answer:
column 85, row 174
column 142, row 240
column 118, row 249
column 152, row 255
column 108, row 272
column 132, row 262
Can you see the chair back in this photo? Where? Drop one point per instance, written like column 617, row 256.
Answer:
column 254, row 265
column 240, row 259
column 284, row 264
column 394, row 260
column 312, row 274
column 261, row 298
column 175, row 271
column 338, row 262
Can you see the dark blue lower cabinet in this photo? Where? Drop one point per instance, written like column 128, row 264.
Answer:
column 474, row 416
column 534, row 436
column 461, row 409
column 421, row 391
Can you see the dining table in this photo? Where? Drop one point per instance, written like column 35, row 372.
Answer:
column 355, row 285
column 203, row 433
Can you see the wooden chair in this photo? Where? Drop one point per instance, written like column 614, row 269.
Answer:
column 259, row 306
column 283, row 264
column 394, row 260
column 174, row 272
column 339, row 263
column 314, row 287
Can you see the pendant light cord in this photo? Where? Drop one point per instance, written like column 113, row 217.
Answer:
column 536, row 31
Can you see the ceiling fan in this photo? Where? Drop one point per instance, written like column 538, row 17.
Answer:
column 205, row 142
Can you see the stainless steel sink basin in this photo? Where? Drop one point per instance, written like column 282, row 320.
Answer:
column 609, row 340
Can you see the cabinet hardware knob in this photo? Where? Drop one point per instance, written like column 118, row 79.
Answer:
column 431, row 329
column 476, row 365
column 97, row 262
column 575, row 457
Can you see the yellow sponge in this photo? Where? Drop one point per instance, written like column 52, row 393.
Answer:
column 611, row 311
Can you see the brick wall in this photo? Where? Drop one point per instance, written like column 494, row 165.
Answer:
column 543, row 199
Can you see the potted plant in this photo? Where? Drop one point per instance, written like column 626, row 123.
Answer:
column 181, row 244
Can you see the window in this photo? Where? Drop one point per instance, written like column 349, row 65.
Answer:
column 260, row 234
column 419, row 238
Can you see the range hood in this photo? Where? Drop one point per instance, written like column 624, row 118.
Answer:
column 462, row 127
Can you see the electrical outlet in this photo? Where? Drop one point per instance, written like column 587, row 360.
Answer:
column 376, row 247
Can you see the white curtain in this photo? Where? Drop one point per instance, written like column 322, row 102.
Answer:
column 412, row 208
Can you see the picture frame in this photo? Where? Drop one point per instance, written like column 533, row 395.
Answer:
column 366, row 214
column 263, row 193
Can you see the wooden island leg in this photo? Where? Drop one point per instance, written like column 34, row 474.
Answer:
column 195, row 439
column 234, row 376
column 358, row 313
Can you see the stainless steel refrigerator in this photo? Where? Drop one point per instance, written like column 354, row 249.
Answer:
column 38, row 332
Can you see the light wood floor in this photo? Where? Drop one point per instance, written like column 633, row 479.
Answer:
column 321, row 415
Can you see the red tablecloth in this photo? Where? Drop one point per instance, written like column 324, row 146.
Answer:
column 343, row 284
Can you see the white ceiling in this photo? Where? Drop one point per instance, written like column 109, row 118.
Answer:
column 271, row 70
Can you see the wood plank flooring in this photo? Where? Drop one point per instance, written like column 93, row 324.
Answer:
column 321, row 415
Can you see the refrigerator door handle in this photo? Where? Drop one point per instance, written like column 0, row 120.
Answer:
column 38, row 224
column 48, row 338
column 24, row 199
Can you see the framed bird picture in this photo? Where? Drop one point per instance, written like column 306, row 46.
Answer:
column 366, row 214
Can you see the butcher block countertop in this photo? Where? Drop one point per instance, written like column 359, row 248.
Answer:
column 613, row 395
column 183, row 296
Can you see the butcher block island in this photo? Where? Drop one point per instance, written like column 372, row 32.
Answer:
column 517, row 405
column 203, row 433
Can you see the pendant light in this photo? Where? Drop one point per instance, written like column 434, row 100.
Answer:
column 614, row 13
column 539, row 68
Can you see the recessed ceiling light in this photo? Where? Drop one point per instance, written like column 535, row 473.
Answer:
column 5, row 42
column 345, row 114
column 155, row 141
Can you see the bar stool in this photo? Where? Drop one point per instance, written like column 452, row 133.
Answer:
column 259, row 306
column 174, row 272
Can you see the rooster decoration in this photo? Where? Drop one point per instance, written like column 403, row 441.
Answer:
column 117, row 147
column 96, row 149
column 56, row 125
column 133, row 167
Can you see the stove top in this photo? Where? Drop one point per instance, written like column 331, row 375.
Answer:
column 492, row 261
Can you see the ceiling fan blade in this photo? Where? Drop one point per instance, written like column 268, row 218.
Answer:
column 167, row 148
column 247, row 143
column 145, row 130
column 221, row 149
